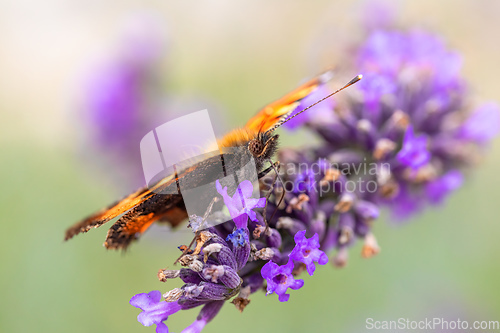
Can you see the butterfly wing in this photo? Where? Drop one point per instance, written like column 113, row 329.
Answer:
column 142, row 208
column 278, row 110
column 109, row 213
column 162, row 203
column 146, row 206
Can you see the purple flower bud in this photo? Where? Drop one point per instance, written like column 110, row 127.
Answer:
column 405, row 203
column 192, row 290
column 366, row 210
column 437, row 190
column 255, row 281
column 321, row 111
column 361, row 229
column 305, row 182
column 213, row 292
column 187, row 303
column 173, row 295
column 230, row 279
column 290, row 224
column 189, row 276
column 241, row 246
column 318, row 224
column 212, row 273
column 346, row 227
column 374, row 87
column 274, row 239
column 226, row 257
column 414, row 153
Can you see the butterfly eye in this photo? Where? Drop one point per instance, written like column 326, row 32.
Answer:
column 255, row 147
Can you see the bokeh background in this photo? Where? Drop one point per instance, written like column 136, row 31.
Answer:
column 232, row 57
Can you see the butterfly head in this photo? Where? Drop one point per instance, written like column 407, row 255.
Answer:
column 264, row 145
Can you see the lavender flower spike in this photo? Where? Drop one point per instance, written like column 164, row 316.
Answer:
column 307, row 251
column 401, row 136
column 279, row 279
column 241, row 204
column 155, row 309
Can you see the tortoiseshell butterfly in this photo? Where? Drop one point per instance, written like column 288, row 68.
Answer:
column 256, row 140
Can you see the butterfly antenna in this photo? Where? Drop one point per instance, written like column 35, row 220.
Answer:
column 350, row 83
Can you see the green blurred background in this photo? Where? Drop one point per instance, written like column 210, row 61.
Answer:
column 241, row 54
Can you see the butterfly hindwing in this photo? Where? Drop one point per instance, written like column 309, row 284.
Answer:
column 109, row 213
column 167, row 207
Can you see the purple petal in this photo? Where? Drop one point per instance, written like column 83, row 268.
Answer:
column 483, row 125
column 297, row 284
column 246, row 188
column 144, row 301
column 196, row 327
column 161, row 328
column 268, row 270
column 440, row 188
column 299, row 236
column 414, row 153
column 323, row 259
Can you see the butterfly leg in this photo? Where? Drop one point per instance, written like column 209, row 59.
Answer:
column 276, row 167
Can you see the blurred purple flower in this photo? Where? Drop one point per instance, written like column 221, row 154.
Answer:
column 438, row 189
column 304, row 181
column 482, row 125
column 319, row 111
column 405, row 203
column 374, row 88
column 402, row 137
column 121, row 93
column 414, row 153
column 378, row 14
